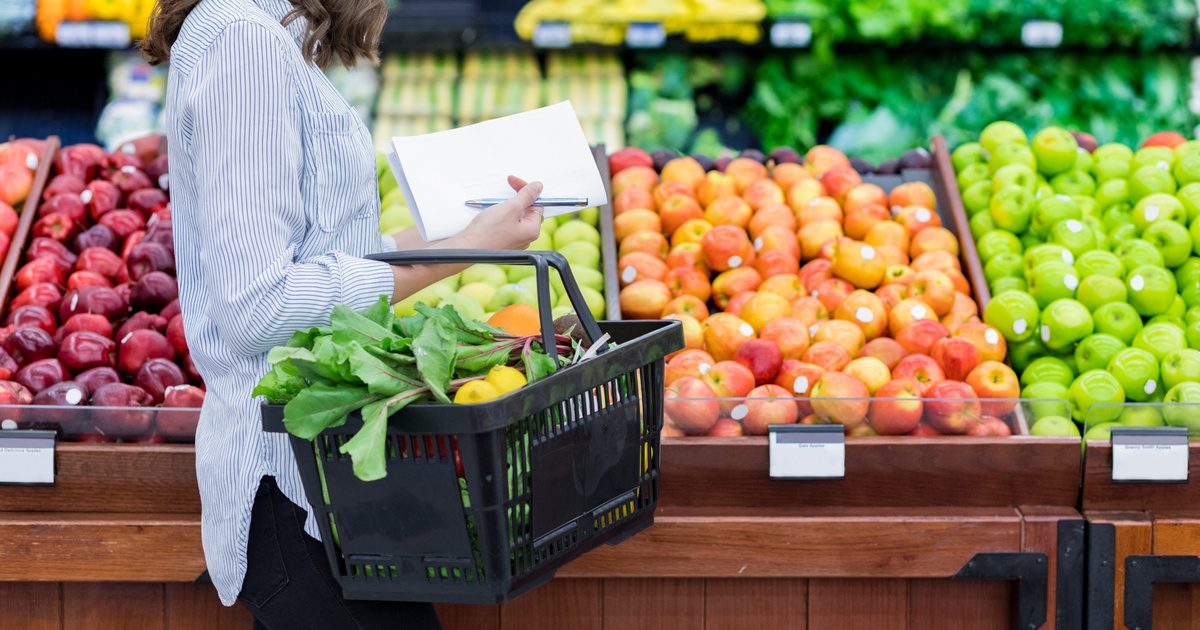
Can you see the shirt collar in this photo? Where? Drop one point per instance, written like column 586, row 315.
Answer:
column 277, row 9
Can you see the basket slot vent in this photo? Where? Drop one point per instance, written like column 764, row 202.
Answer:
column 615, row 515
column 373, row 571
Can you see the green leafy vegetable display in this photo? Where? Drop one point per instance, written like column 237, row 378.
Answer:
column 376, row 363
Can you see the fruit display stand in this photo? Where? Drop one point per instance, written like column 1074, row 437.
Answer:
column 1143, row 545
column 921, row 532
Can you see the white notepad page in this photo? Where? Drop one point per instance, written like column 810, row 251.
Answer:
column 438, row 172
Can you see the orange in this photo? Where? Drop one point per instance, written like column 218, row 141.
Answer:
column 517, row 319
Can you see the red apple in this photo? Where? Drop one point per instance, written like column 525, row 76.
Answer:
column 919, row 336
column 840, row 398
column 921, row 368
column 729, row 381
column 691, row 406
column 886, row 349
column 762, row 358
column 897, row 407
column 799, row 377
column 993, row 379
column 765, row 405
column 693, row 363
column 956, row 356
column 725, row 427
column 952, row 407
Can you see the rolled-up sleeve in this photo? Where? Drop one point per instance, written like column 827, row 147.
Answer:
column 247, row 145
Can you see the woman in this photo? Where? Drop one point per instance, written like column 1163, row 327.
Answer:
column 275, row 202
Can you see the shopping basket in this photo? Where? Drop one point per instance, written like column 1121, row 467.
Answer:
column 548, row 472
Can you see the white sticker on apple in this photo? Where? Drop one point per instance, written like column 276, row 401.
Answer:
column 1071, row 281
column 1062, row 197
column 746, row 329
column 868, row 252
column 1151, row 212
column 991, row 336
column 735, row 262
column 164, row 181
column 1020, row 326
column 1074, row 226
column 126, row 337
column 800, row 385
column 629, row 274
column 1164, row 165
column 73, row 396
column 129, row 169
column 1151, row 385
column 74, row 302
column 864, row 315
column 812, row 330
column 1046, row 334
column 86, row 195
column 1068, row 257
column 758, row 244
column 918, row 311
column 814, row 293
column 31, row 162
column 704, row 368
column 739, row 412
column 1137, row 282
column 896, row 210
column 924, row 216
column 8, row 425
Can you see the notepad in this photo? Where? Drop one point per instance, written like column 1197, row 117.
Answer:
column 438, row 172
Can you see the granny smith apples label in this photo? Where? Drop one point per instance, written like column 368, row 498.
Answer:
column 1150, row 454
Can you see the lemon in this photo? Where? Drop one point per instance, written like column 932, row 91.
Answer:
column 505, row 379
column 474, row 392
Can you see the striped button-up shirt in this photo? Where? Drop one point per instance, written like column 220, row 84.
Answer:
column 275, row 201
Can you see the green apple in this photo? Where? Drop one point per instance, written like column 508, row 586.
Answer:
column 1074, row 182
column 1136, row 253
column 1192, row 315
column 1064, row 323
column 1118, row 319
column 1074, row 235
column 1123, row 234
column 1096, row 291
column 510, row 294
column 1001, row 132
column 590, row 216
column 967, row 153
column 485, row 273
column 1052, row 280
column 1022, row 354
column 1141, row 415
column 1029, row 239
column 1095, row 351
column 1189, row 196
column 1160, row 339
column 1055, row 149
column 1101, row 431
column 1177, row 310
column 973, row 174
column 1045, row 252
column 517, row 273
column 1051, row 210
column 1113, row 192
column 1000, row 285
column 1110, row 170
column 1148, row 180
column 1047, row 370
column 1014, row 314
column 394, row 218
column 588, row 277
column 1191, row 147
column 481, row 292
column 530, row 284
column 1137, row 372
column 1011, row 208
column 1191, row 332
column 1003, row 265
column 981, row 223
column 573, row 231
column 1186, row 169
column 1116, row 216
column 544, row 241
column 561, row 311
column 1096, row 397
column 1046, row 398
column 1160, row 157
column 977, row 198
column 1084, row 161
column 1180, row 366
column 1021, row 175
column 1189, row 291
column 1172, row 240
column 998, row 242
column 1043, row 190
column 1088, row 207
column 1099, row 263
column 1114, row 150
column 1194, row 232
column 1158, row 207
column 1188, row 271
column 595, row 301
column 1182, row 407
column 468, row 307
column 1151, row 289
column 1054, row 426
column 428, row 296
column 582, row 253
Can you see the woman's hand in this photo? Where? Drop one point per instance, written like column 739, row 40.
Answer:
column 513, row 224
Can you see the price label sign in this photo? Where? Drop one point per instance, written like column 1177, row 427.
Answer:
column 552, row 35
column 92, row 34
column 791, row 34
column 645, row 35
column 1041, row 34
column 1150, row 454
column 27, row 458
column 807, row 451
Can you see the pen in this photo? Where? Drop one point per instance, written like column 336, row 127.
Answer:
column 546, row 202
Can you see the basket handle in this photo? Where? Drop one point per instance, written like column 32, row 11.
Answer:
column 541, row 261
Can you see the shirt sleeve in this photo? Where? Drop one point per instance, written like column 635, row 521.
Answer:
column 248, row 150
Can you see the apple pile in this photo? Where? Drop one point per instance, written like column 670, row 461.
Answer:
column 18, row 165
column 95, row 319
column 1092, row 256
column 805, row 295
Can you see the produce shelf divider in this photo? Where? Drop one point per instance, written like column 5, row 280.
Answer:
column 16, row 247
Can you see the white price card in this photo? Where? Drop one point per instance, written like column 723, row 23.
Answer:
column 552, row 35
column 1041, row 34
column 807, row 451
column 1150, row 454
column 27, row 457
column 92, row 34
column 645, row 35
column 791, row 34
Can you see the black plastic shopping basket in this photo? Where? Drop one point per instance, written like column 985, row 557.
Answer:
column 549, row 471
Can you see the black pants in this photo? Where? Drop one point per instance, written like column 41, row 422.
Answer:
column 289, row 585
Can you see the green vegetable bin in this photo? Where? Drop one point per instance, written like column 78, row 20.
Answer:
column 484, row 502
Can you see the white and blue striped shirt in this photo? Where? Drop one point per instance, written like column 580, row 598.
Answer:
column 274, row 200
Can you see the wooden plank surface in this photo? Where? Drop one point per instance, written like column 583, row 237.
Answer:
column 114, row 478
column 463, row 617
column 110, row 606
column 733, row 604
column 1176, row 606
column 880, row 472
column 1041, row 535
column 1174, row 536
column 1134, row 535
column 31, row 605
column 882, row 544
column 653, row 604
column 197, row 607
column 840, row 604
column 574, row 604
column 953, row 605
column 1101, row 493
column 100, row 547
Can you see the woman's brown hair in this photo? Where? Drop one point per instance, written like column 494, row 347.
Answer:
column 347, row 29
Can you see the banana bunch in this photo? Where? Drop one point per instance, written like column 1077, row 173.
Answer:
column 605, row 22
column 725, row 20
column 50, row 13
